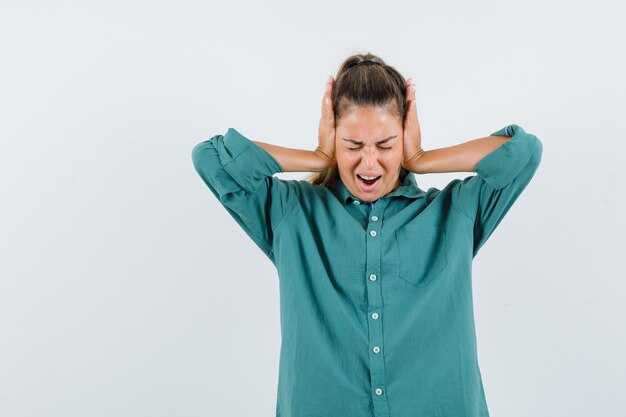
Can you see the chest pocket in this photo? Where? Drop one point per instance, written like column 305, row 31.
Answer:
column 422, row 252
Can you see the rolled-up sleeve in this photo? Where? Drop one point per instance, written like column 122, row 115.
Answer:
column 502, row 175
column 240, row 174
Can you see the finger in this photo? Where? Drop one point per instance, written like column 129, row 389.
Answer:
column 412, row 112
column 325, row 97
column 410, row 88
column 410, row 97
column 327, row 91
column 327, row 101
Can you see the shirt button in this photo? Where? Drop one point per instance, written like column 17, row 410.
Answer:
column 373, row 233
column 357, row 202
column 379, row 391
column 376, row 349
column 374, row 316
column 372, row 277
column 375, row 218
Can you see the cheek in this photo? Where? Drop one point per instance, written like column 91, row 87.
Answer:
column 393, row 161
column 346, row 162
column 395, row 155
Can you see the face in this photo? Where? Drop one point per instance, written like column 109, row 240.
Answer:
column 368, row 142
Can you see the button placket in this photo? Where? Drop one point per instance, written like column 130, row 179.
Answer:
column 375, row 306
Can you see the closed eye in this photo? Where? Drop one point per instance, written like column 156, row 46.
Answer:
column 381, row 147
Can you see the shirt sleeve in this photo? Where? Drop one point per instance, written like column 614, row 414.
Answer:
column 502, row 175
column 240, row 174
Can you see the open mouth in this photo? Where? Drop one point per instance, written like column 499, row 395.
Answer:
column 368, row 182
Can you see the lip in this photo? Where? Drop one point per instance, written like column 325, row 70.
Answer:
column 368, row 188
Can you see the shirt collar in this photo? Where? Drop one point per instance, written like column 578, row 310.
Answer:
column 408, row 189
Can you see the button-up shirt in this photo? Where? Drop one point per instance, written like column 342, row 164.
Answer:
column 375, row 298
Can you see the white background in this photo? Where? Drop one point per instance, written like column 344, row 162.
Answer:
column 127, row 290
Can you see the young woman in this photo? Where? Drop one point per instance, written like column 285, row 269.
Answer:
column 375, row 273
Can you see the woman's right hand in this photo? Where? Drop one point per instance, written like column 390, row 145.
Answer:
column 326, row 134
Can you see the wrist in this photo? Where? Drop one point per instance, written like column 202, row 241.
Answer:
column 323, row 159
column 411, row 161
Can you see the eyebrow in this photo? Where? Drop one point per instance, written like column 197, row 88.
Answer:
column 358, row 142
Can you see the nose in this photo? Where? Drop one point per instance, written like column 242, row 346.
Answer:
column 370, row 157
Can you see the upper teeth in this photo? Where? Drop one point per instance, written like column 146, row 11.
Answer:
column 366, row 177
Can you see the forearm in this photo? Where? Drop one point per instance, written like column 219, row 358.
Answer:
column 458, row 158
column 295, row 160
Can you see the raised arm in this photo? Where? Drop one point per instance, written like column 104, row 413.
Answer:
column 295, row 160
column 503, row 174
column 298, row 160
column 458, row 158
column 241, row 175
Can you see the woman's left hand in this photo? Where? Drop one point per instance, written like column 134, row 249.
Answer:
column 412, row 137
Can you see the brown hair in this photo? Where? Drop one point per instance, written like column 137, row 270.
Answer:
column 378, row 85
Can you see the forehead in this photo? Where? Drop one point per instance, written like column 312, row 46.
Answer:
column 368, row 124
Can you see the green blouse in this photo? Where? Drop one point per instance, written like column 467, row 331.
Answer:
column 375, row 299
